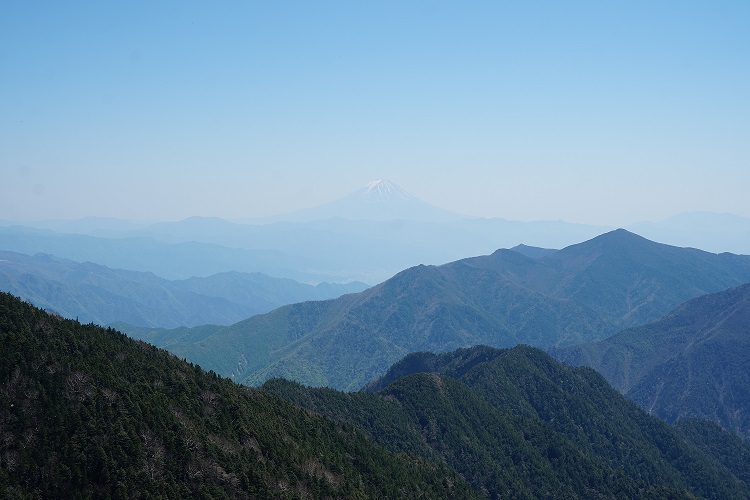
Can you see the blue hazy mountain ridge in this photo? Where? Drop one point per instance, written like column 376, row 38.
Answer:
column 371, row 248
column 167, row 260
column 368, row 235
column 367, row 255
column 710, row 231
column 533, row 252
column 95, row 293
column 92, row 226
column 178, row 250
column 383, row 210
column 581, row 293
column 690, row 363
column 331, row 250
column 379, row 212
column 715, row 232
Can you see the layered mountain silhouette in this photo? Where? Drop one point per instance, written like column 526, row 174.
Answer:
column 581, row 293
column 368, row 235
column 693, row 362
column 87, row 412
column 377, row 249
column 515, row 423
column 170, row 260
column 95, row 293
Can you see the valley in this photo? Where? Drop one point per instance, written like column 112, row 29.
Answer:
column 374, row 250
column 578, row 294
column 438, row 371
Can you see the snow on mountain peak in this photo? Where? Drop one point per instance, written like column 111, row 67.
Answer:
column 381, row 190
column 378, row 200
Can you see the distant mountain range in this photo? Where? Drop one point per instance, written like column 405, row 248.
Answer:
column 369, row 235
column 89, row 412
column 95, row 293
column 693, row 362
column 336, row 250
column 379, row 200
column 381, row 210
column 167, row 260
column 581, row 293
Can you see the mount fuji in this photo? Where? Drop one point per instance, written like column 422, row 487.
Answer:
column 379, row 200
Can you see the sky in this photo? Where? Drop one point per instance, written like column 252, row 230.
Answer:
column 599, row 112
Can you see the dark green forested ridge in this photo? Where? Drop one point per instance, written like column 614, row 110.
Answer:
column 516, row 423
column 89, row 413
column 727, row 448
column 86, row 412
column 453, row 364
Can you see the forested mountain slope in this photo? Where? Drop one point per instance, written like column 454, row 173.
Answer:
column 580, row 293
column 516, row 423
column 88, row 412
column 693, row 362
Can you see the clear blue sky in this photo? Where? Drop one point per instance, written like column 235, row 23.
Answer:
column 605, row 112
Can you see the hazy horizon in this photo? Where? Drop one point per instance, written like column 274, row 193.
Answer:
column 603, row 114
column 280, row 217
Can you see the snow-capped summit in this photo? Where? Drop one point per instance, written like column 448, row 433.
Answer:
column 379, row 200
column 383, row 190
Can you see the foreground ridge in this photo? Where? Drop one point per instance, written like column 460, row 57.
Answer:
column 87, row 412
column 516, row 423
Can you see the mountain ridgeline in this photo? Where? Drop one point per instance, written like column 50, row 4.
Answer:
column 693, row 362
column 369, row 236
column 163, row 255
column 98, row 294
column 89, row 413
column 517, row 424
column 581, row 293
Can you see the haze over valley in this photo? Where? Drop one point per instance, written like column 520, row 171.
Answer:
column 195, row 288
column 390, row 250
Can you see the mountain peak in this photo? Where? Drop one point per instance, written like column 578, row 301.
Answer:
column 621, row 238
column 378, row 200
column 383, row 190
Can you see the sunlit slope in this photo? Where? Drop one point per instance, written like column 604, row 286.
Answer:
column 581, row 293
